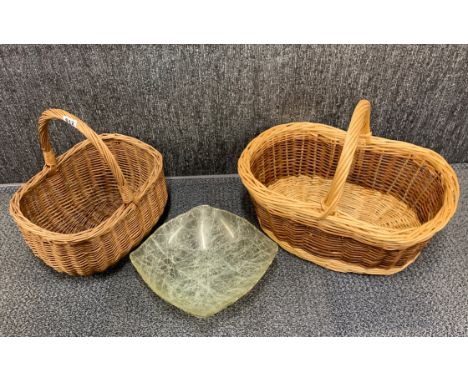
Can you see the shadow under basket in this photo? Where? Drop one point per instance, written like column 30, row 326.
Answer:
column 89, row 207
column 349, row 202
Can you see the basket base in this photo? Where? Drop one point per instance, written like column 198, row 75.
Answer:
column 364, row 204
column 337, row 265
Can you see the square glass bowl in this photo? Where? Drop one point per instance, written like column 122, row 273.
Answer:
column 204, row 260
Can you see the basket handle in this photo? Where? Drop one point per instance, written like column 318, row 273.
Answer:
column 49, row 155
column 359, row 127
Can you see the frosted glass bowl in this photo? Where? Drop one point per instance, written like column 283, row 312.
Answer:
column 204, row 260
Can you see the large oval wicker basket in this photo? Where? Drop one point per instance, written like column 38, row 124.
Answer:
column 348, row 201
column 89, row 207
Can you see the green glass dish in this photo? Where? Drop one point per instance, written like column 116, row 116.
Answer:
column 204, row 260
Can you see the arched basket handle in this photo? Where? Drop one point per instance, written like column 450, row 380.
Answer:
column 359, row 127
column 49, row 155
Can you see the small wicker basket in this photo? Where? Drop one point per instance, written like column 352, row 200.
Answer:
column 89, row 207
column 349, row 202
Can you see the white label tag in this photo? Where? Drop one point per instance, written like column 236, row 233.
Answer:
column 71, row 121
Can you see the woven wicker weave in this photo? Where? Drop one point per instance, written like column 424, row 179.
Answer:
column 89, row 207
column 348, row 201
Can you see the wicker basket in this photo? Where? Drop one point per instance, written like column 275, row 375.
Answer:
column 348, row 201
column 89, row 207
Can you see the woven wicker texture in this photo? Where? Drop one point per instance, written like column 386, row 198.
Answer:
column 348, row 201
column 90, row 206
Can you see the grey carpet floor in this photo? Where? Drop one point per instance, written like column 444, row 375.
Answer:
column 295, row 298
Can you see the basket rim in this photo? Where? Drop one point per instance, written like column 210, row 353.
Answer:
column 104, row 226
column 340, row 223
